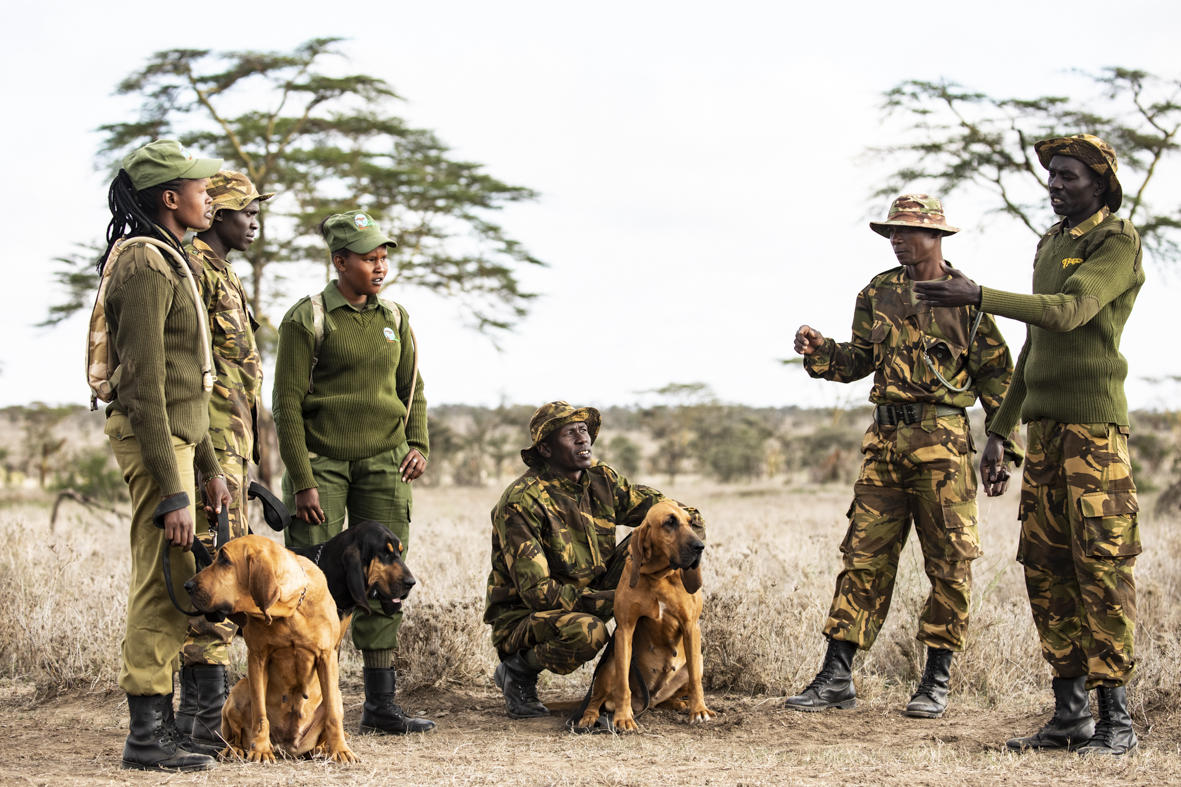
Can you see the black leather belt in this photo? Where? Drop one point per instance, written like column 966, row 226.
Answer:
column 910, row 412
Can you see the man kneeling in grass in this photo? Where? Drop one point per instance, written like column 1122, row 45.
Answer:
column 555, row 563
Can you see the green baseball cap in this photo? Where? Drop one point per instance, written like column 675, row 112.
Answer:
column 353, row 230
column 164, row 160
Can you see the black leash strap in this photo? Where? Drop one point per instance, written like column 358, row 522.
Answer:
column 200, row 555
column 273, row 510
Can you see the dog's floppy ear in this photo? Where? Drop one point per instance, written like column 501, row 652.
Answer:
column 354, row 576
column 639, row 551
column 262, row 582
column 691, row 579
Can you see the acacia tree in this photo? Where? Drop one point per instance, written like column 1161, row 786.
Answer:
column 326, row 142
column 961, row 139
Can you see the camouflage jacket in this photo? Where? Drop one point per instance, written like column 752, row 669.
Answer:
column 553, row 537
column 233, row 406
column 899, row 340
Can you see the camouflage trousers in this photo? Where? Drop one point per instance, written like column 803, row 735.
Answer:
column 1079, row 539
column 206, row 642
column 562, row 641
column 921, row 473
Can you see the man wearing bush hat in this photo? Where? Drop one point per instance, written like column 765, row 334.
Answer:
column 555, row 563
column 928, row 366
column 233, row 427
column 1079, row 531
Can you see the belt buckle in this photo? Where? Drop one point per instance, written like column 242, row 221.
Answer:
column 909, row 413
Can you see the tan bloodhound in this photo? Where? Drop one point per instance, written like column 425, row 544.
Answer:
column 290, row 698
column 657, row 637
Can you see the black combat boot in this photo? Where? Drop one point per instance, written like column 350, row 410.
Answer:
column 380, row 713
column 1113, row 734
column 204, row 727
column 153, row 741
column 518, row 681
column 1071, row 725
column 833, row 685
column 930, row 700
column 188, row 701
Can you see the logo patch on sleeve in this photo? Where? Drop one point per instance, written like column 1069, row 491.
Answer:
column 1068, row 261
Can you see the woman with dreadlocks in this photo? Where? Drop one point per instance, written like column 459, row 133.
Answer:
column 158, row 421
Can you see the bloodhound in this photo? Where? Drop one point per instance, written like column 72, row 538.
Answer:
column 363, row 562
column 657, row 637
column 290, row 696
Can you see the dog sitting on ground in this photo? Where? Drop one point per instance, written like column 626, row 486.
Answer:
column 290, row 696
column 657, row 638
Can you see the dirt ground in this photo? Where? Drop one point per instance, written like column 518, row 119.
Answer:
column 77, row 740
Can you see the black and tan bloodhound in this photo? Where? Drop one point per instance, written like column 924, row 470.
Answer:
column 290, row 697
column 657, row 637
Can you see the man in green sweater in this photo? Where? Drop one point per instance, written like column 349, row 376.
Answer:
column 1079, row 534
column 351, row 420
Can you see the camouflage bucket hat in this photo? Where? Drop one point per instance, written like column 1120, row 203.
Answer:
column 233, row 191
column 914, row 210
column 553, row 416
column 1093, row 152
column 353, row 230
column 163, row 160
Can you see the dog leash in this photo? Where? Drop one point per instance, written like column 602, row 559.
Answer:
column 201, row 557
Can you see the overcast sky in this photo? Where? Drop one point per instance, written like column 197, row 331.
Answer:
column 700, row 165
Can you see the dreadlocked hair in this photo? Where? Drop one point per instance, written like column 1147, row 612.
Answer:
column 134, row 213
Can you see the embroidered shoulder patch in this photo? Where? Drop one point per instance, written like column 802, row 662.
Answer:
column 1068, row 261
column 390, row 335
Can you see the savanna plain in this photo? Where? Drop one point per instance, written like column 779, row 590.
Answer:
column 770, row 564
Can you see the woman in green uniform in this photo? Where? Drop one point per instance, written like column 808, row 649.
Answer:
column 158, row 422
column 351, row 419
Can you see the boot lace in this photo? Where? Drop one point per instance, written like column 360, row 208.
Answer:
column 823, row 677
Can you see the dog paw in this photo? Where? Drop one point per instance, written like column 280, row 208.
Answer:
column 625, row 723
column 343, row 755
column 588, row 720
column 261, row 754
column 701, row 715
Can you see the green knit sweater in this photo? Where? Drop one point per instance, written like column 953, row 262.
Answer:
column 1085, row 280
column 154, row 329
column 362, row 378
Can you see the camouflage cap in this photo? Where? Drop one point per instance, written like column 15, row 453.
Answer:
column 163, row 160
column 553, row 416
column 353, row 230
column 1093, row 152
column 232, row 190
column 914, row 210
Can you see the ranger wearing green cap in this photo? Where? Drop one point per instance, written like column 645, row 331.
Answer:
column 1079, row 530
column 928, row 365
column 351, row 419
column 161, row 375
column 233, row 428
column 555, row 563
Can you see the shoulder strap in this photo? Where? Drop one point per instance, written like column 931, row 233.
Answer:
column 206, row 350
column 317, row 301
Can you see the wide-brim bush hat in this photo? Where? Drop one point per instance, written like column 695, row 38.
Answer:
column 914, row 210
column 552, row 416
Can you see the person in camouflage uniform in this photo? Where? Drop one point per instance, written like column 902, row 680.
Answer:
column 928, row 366
column 232, row 427
column 555, row 563
column 1078, row 508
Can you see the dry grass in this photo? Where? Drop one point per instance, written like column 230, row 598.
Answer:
column 770, row 565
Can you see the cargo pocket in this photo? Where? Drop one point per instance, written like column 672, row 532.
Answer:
column 877, row 336
column 1110, row 526
column 959, row 525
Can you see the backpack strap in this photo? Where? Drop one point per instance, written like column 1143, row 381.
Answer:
column 318, row 315
column 206, row 349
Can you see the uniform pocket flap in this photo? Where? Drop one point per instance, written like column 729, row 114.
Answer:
column 1110, row 503
column 880, row 331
